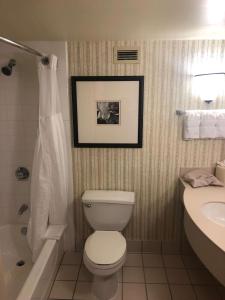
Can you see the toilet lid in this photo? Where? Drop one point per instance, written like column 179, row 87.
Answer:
column 105, row 247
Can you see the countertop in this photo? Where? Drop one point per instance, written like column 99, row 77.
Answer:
column 194, row 199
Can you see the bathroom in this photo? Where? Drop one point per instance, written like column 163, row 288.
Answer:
column 160, row 263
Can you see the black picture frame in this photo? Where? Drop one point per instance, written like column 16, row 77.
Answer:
column 74, row 84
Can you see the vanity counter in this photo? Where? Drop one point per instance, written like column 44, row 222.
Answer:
column 194, row 199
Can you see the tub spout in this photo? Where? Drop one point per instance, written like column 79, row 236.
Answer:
column 22, row 209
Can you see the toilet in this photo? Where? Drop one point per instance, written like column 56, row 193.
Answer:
column 108, row 213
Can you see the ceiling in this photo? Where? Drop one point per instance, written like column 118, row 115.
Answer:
column 112, row 19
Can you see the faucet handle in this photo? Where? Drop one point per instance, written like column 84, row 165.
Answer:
column 22, row 209
column 22, row 173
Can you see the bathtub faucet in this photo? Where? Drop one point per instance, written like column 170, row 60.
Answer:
column 22, row 209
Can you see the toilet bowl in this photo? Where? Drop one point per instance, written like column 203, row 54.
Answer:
column 104, row 255
column 104, row 252
column 108, row 212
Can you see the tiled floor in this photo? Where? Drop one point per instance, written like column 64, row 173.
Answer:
column 143, row 277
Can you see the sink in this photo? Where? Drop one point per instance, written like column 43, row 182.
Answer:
column 215, row 211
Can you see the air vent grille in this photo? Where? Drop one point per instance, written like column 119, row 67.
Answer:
column 126, row 55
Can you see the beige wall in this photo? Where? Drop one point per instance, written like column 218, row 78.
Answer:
column 152, row 172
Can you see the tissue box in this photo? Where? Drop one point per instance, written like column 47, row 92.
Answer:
column 220, row 173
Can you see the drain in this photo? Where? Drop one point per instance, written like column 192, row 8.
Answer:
column 20, row 263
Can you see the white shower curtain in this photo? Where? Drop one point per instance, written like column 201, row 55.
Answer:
column 51, row 202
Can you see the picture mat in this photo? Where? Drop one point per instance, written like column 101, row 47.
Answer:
column 88, row 92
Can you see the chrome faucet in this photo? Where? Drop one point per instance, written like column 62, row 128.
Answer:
column 22, row 209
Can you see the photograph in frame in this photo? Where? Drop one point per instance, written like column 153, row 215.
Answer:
column 107, row 111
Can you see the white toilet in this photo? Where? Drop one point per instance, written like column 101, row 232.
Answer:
column 108, row 213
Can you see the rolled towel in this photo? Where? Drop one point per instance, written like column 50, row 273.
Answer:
column 221, row 163
column 220, row 173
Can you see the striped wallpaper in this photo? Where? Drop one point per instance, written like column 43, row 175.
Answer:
column 152, row 172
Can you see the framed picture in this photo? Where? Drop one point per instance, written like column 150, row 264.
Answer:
column 107, row 111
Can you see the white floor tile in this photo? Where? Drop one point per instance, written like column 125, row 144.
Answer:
column 158, row 292
column 182, row 292
column 67, row 272
column 133, row 274
column 85, row 275
column 62, row 290
column 134, row 291
column 177, row 276
column 155, row 275
column 152, row 260
column 133, row 260
column 173, row 261
column 72, row 258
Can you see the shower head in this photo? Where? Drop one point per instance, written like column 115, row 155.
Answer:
column 7, row 70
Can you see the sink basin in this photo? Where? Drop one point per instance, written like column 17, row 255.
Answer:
column 215, row 211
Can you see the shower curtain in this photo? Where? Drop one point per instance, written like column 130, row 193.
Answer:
column 51, row 203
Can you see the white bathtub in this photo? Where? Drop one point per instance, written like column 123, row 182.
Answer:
column 30, row 281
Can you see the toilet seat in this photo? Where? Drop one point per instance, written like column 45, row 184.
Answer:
column 103, row 269
column 105, row 248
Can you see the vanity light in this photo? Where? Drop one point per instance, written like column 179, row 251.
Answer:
column 215, row 11
column 209, row 85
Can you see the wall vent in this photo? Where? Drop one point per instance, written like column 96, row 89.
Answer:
column 125, row 55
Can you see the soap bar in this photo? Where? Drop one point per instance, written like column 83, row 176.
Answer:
column 220, row 173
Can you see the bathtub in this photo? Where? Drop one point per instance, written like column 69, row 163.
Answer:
column 206, row 236
column 29, row 281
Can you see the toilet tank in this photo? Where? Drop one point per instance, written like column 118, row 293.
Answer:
column 108, row 210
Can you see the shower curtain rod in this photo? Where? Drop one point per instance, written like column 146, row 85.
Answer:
column 44, row 58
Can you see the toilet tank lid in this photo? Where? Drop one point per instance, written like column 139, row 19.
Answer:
column 103, row 196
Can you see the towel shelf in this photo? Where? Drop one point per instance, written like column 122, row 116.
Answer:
column 180, row 112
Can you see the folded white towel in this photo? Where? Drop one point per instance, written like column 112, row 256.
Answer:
column 221, row 130
column 191, row 124
column 204, row 124
column 192, row 116
column 191, row 132
column 208, row 132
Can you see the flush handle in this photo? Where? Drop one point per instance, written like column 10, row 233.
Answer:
column 87, row 205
